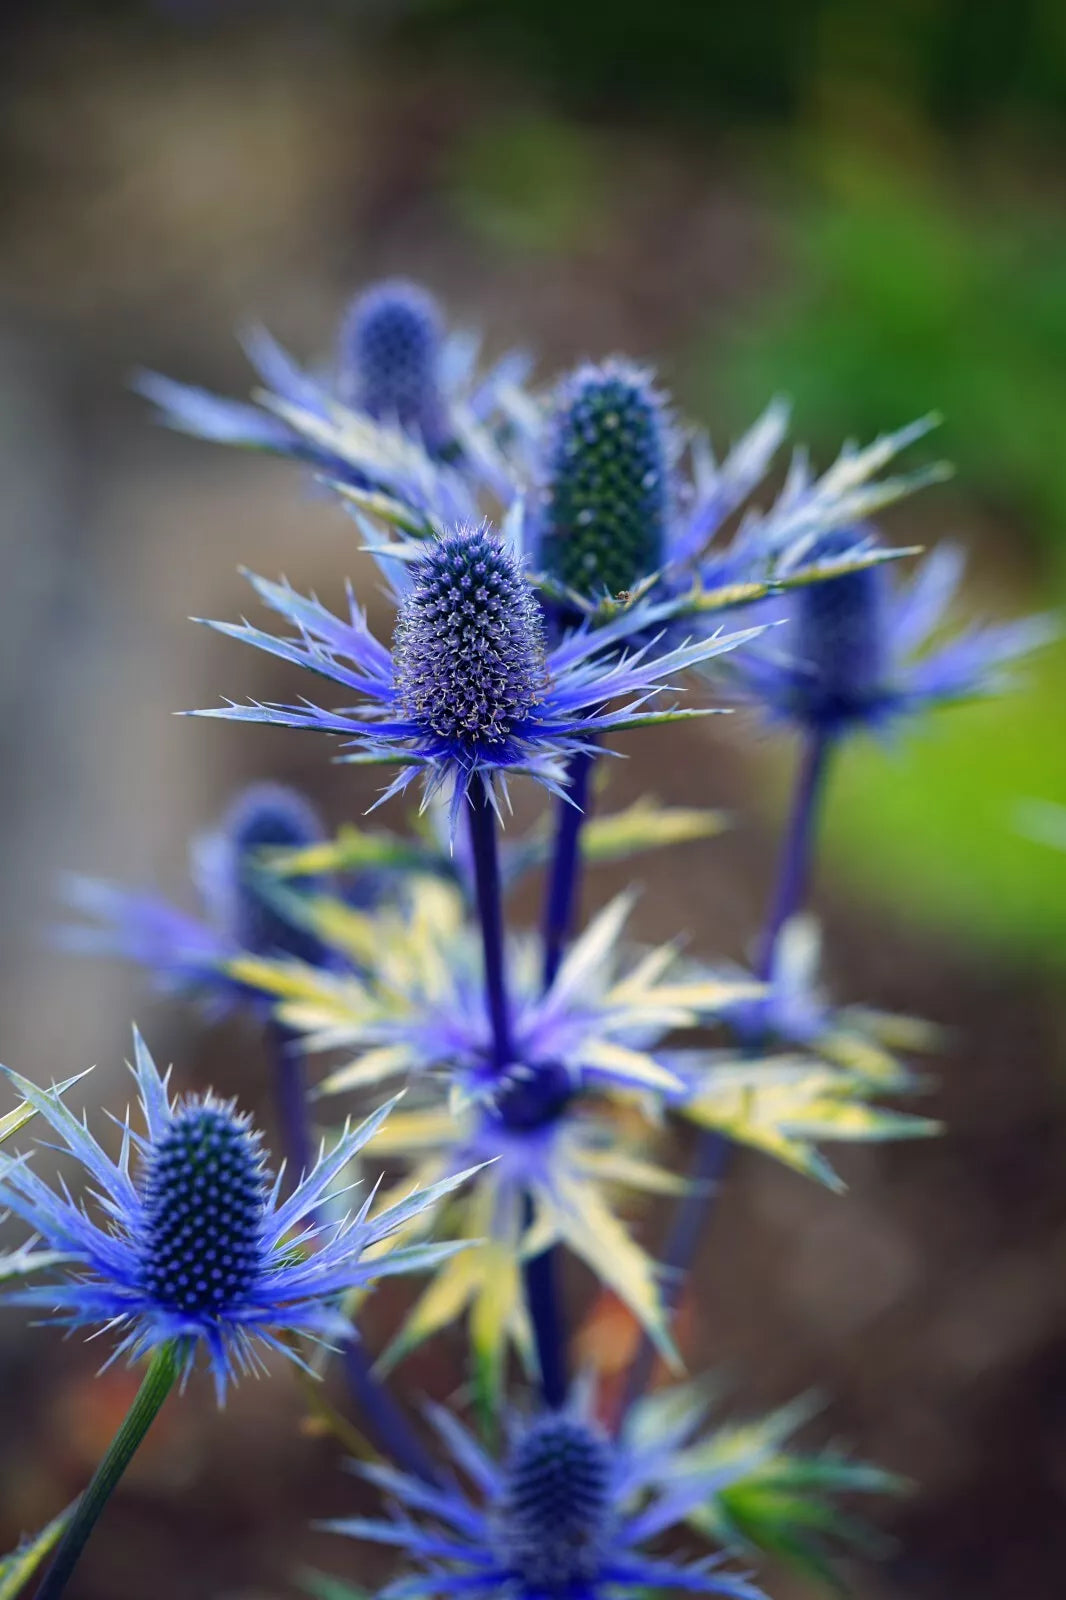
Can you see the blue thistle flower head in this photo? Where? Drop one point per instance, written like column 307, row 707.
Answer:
column 205, row 1194
column 556, row 1505
column 469, row 644
column 389, row 361
column 606, row 491
column 863, row 650
column 842, row 638
column 469, row 687
column 241, row 907
column 405, row 410
column 566, row 1514
column 264, row 817
column 195, row 1244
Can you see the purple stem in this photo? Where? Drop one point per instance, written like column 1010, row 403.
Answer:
column 542, row 1297
column 712, row 1148
column 386, row 1424
column 490, row 915
column 384, row 1421
column 794, row 867
column 565, row 880
column 290, row 1088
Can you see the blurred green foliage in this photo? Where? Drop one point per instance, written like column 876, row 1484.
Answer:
column 529, row 182
column 899, row 302
column 960, row 60
column 931, row 824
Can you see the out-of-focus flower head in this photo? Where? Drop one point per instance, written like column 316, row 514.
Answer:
column 194, row 1243
column 772, row 1498
column 389, row 360
column 864, row 650
column 565, row 1513
column 229, row 870
column 600, row 1058
column 470, row 687
column 396, row 376
column 800, row 1071
column 545, row 1123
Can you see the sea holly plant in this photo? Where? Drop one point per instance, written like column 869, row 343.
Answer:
column 194, row 1254
column 566, row 564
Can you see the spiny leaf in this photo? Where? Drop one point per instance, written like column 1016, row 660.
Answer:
column 17, row 1569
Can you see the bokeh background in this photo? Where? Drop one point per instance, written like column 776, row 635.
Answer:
column 861, row 207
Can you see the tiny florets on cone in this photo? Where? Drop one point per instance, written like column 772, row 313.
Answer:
column 605, row 509
column 205, row 1195
column 391, row 345
column 469, row 645
column 555, row 1512
column 267, row 816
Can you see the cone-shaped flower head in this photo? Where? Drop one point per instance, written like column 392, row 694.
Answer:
column 404, row 408
column 566, row 1514
column 205, row 1193
column 606, row 493
column 194, row 1244
column 863, row 650
column 266, row 816
column 240, row 905
column 469, row 644
column 390, row 358
column 842, row 637
column 555, row 1512
column 468, row 689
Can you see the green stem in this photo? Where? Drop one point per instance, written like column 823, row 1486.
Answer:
column 158, row 1381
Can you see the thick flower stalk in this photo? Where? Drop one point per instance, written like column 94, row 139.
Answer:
column 566, row 1513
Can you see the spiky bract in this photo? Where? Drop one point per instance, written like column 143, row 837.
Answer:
column 194, row 1243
